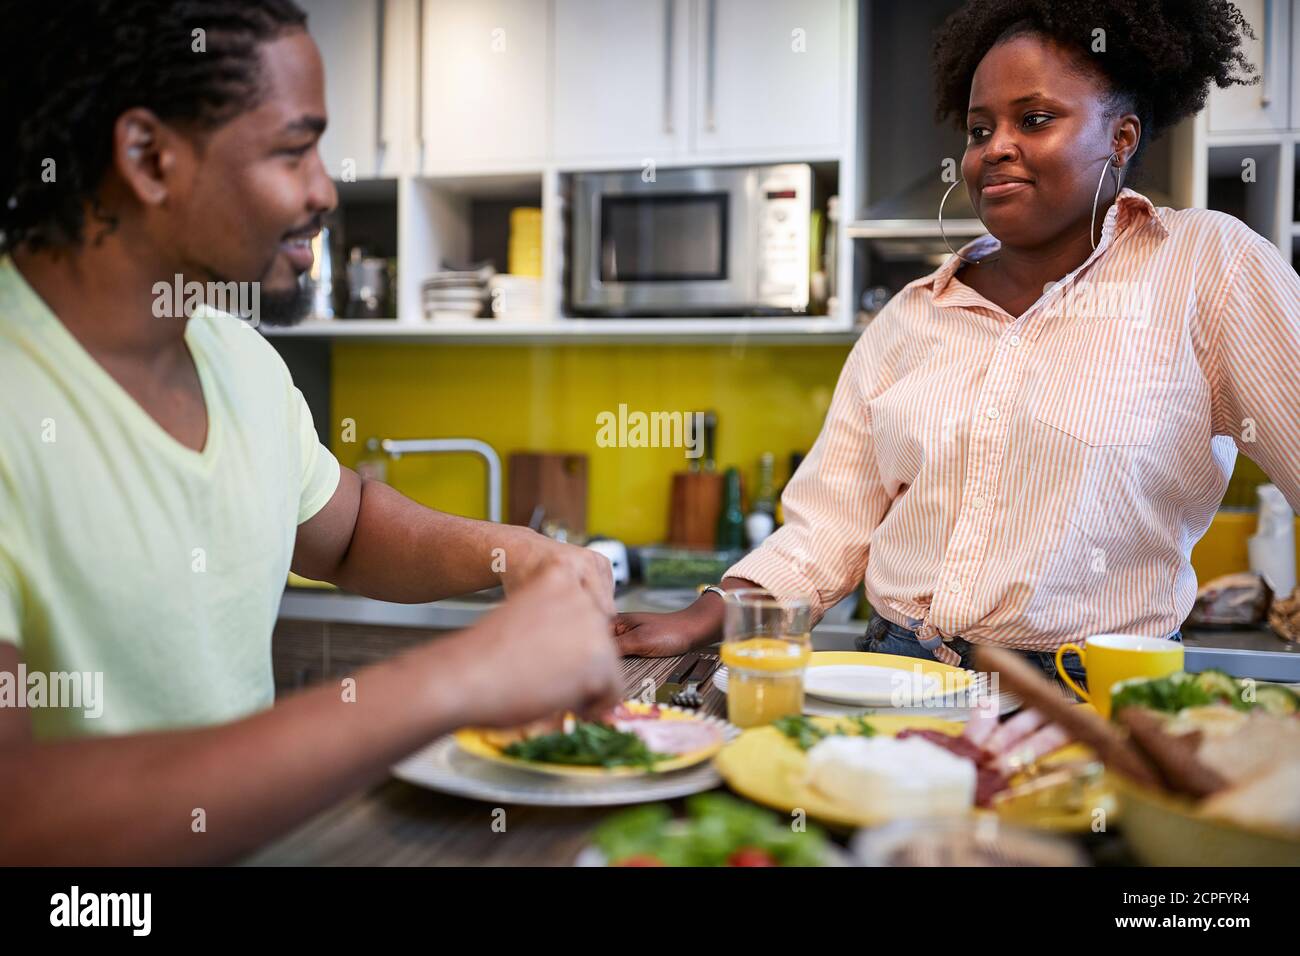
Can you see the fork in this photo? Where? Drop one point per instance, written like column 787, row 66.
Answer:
column 690, row 696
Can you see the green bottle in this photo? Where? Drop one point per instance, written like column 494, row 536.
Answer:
column 731, row 521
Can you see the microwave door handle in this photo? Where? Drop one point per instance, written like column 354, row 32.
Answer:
column 598, row 260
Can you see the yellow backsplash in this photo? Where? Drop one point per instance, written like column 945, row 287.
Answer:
column 768, row 398
column 517, row 398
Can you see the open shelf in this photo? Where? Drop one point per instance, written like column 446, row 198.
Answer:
column 366, row 219
column 456, row 220
column 809, row 331
column 1256, row 201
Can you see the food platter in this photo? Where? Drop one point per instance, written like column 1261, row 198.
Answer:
column 764, row 765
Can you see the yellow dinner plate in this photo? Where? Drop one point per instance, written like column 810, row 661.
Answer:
column 955, row 678
column 769, row 768
column 958, row 678
column 473, row 741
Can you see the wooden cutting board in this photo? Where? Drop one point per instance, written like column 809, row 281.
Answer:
column 555, row 480
column 693, row 513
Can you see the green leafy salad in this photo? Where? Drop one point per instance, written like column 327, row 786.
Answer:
column 718, row 831
column 804, row 732
column 589, row 745
column 1179, row 691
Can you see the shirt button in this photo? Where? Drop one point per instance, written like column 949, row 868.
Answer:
column 955, row 587
column 992, row 413
column 1014, row 341
column 977, row 503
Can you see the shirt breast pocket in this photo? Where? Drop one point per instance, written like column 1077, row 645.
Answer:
column 1097, row 383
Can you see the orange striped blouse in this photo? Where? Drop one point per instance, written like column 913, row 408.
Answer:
column 1034, row 480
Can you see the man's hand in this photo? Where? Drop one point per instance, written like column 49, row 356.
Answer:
column 528, row 554
column 372, row 540
column 547, row 649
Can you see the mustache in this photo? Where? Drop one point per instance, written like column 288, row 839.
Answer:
column 313, row 226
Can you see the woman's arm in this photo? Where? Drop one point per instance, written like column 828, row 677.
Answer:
column 1255, row 348
column 831, row 505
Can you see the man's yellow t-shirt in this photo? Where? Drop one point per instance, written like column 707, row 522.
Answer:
column 126, row 554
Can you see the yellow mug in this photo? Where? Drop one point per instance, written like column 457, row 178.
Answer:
column 1110, row 658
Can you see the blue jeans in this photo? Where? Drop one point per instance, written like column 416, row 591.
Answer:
column 885, row 637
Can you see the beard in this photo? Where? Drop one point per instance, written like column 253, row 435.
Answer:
column 287, row 306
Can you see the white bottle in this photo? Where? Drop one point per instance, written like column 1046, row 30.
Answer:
column 1272, row 547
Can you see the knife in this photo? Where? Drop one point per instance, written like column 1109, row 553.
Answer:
column 665, row 691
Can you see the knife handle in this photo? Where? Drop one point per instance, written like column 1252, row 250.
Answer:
column 688, row 665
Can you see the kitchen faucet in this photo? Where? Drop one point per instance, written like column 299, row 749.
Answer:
column 396, row 448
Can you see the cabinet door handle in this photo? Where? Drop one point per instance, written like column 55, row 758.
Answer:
column 711, row 70
column 380, row 142
column 668, row 66
column 1265, row 90
column 419, row 78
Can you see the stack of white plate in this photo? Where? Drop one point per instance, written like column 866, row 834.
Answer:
column 455, row 295
column 515, row 298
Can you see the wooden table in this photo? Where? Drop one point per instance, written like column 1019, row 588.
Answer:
column 399, row 824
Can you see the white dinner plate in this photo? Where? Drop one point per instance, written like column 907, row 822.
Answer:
column 813, row 707
column 864, row 685
column 443, row 766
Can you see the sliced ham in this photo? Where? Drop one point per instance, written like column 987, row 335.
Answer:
column 1040, row 743
column 671, row 736
column 1013, row 730
column 983, row 722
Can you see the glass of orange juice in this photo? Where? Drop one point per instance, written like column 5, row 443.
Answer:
column 766, row 644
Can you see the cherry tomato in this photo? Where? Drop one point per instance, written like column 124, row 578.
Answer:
column 751, row 856
column 644, row 860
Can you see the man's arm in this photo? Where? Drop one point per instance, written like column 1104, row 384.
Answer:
column 135, row 799
column 373, row 540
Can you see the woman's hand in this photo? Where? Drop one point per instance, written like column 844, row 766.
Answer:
column 667, row 635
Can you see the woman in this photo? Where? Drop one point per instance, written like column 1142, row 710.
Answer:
column 1024, row 445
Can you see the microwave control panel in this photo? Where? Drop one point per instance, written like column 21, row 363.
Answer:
column 783, row 240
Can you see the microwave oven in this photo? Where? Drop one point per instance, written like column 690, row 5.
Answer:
column 691, row 241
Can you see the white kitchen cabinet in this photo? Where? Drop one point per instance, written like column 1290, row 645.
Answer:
column 483, row 89
column 1264, row 107
column 768, row 76
column 1295, row 69
column 622, row 77
column 368, row 49
column 348, row 34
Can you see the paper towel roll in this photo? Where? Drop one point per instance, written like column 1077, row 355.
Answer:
column 1272, row 547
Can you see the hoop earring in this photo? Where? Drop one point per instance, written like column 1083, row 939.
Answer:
column 943, row 235
column 1119, row 184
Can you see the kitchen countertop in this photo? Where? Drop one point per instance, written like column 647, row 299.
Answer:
column 1247, row 653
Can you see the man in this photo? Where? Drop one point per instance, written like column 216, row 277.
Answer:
column 159, row 476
